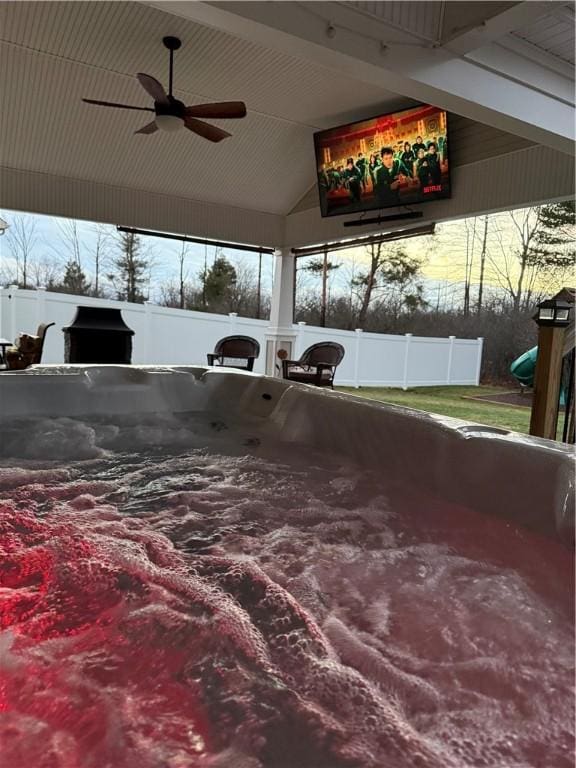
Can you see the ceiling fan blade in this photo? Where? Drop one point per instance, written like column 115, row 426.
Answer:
column 153, row 87
column 118, row 106
column 210, row 132
column 223, row 109
column 149, row 128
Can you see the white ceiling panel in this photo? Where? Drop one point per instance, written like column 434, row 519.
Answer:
column 53, row 54
column 419, row 18
column 553, row 34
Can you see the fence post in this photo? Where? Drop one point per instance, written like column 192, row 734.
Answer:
column 450, row 355
column 13, row 299
column 232, row 316
column 479, row 359
column 148, row 320
column 358, row 332
column 40, row 305
column 408, row 337
column 300, row 344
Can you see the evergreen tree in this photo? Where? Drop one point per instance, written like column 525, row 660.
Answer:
column 218, row 283
column 131, row 268
column 74, row 281
column 555, row 237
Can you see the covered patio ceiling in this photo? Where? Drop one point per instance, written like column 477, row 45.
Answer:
column 504, row 70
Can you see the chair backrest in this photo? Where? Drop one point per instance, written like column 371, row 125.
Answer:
column 41, row 333
column 237, row 346
column 328, row 352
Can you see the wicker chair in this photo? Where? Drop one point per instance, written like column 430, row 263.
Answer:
column 235, row 352
column 316, row 366
column 27, row 350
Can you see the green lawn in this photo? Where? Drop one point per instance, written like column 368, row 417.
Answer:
column 450, row 401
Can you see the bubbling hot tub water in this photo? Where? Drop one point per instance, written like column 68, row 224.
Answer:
column 177, row 594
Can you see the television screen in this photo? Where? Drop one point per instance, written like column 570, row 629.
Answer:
column 396, row 159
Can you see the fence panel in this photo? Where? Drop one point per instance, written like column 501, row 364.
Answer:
column 174, row 336
column 428, row 362
column 466, row 360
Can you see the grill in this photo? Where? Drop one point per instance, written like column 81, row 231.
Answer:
column 98, row 335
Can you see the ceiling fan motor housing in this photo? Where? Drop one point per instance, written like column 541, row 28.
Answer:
column 173, row 107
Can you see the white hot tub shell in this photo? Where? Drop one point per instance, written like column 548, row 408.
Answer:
column 525, row 480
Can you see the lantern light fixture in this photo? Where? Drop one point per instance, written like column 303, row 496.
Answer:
column 553, row 312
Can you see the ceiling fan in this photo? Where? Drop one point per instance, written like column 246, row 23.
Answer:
column 171, row 114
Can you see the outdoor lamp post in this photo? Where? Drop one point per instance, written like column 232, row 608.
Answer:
column 553, row 317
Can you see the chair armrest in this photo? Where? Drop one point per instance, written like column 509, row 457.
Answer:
column 286, row 364
column 211, row 358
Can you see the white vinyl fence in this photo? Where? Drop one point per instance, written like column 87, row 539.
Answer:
column 180, row 337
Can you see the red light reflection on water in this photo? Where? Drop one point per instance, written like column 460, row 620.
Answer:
column 73, row 671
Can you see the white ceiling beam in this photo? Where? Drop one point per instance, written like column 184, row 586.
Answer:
column 530, row 52
column 500, row 58
column 413, row 70
column 520, row 15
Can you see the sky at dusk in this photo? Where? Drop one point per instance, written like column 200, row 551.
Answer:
column 443, row 256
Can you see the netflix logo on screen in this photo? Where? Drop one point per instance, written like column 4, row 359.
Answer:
column 392, row 160
column 434, row 188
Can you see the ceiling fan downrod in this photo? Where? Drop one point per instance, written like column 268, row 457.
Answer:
column 172, row 43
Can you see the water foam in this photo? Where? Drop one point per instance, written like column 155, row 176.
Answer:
column 221, row 608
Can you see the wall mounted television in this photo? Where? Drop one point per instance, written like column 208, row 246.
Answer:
column 395, row 159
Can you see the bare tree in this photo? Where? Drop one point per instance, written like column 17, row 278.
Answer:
column 512, row 264
column 70, row 245
column 182, row 273
column 482, row 265
column 45, row 271
column 322, row 267
column 22, row 238
column 391, row 277
column 470, row 229
column 101, row 246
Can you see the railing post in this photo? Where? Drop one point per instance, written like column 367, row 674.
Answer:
column 358, row 332
column 479, row 359
column 450, row 355
column 408, row 337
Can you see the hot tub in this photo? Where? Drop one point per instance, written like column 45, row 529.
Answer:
column 209, row 568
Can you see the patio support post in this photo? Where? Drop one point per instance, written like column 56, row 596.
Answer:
column 547, row 381
column 300, row 343
column 280, row 335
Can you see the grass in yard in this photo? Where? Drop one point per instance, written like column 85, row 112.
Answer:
column 448, row 401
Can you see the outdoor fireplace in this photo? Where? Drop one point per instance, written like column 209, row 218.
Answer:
column 98, row 335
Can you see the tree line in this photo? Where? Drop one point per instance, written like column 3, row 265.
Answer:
column 496, row 269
